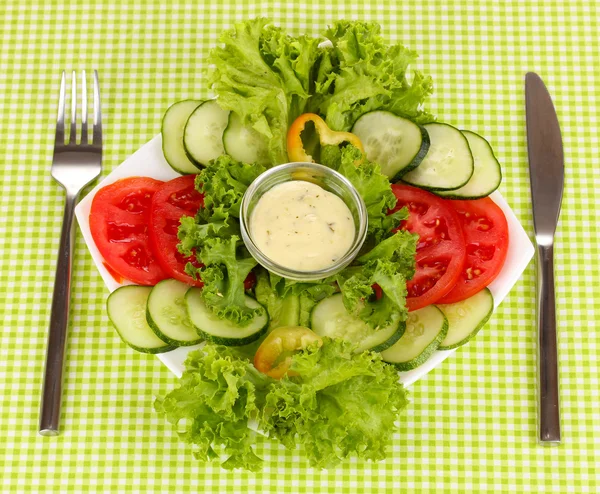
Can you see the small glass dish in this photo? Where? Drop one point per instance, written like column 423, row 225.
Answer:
column 326, row 178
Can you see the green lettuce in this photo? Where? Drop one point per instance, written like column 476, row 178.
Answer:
column 289, row 302
column 389, row 265
column 372, row 185
column 214, row 238
column 362, row 73
column 217, row 393
column 341, row 404
column 223, row 276
column 265, row 77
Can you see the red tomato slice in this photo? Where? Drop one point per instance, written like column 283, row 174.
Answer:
column 441, row 247
column 486, row 237
column 175, row 199
column 119, row 220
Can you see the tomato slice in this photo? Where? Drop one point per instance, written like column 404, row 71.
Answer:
column 274, row 355
column 441, row 247
column 486, row 237
column 250, row 281
column 119, row 219
column 175, row 199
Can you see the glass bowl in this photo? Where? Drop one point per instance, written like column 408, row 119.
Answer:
column 326, row 178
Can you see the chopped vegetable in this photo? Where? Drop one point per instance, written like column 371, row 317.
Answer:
column 339, row 404
column 362, row 73
column 214, row 237
column 389, row 265
column 274, row 355
column 327, row 137
column 373, row 187
column 440, row 251
column 119, row 218
column 265, row 77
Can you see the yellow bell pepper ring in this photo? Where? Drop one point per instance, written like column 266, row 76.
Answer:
column 295, row 146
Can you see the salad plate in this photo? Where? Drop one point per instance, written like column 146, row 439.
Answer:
column 149, row 161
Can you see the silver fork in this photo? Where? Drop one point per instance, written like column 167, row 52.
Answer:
column 73, row 167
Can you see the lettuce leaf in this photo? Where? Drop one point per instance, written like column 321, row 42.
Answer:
column 341, row 404
column 217, row 393
column 265, row 76
column 214, row 238
column 223, row 183
column 223, row 277
column 372, row 185
column 390, row 264
column 362, row 73
column 289, row 302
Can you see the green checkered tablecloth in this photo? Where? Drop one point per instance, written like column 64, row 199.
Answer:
column 471, row 426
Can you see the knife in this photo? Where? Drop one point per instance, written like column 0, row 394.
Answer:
column 546, row 171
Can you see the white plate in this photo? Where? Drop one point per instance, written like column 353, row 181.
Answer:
column 149, row 161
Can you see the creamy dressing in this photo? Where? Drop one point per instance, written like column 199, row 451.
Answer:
column 301, row 226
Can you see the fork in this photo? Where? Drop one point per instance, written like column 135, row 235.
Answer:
column 73, row 167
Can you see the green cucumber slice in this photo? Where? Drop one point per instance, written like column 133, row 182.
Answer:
column 466, row 318
column 330, row 318
column 222, row 331
column 126, row 308
column 487, row 173
column 244, row 143
column 167, row 315
column 203, row 133
column 395, row 143
column 172, row 127
column 448, row 164
column 425, row 330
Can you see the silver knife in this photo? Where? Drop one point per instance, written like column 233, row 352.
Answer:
column 546, row 170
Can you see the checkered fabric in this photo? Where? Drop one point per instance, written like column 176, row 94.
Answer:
column 471, row 426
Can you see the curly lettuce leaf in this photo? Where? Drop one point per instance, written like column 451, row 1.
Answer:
column 223, row 276
column 217, row 393
column 373, row 186
column 366, row 74
column 214, row 238
column 223, row 183
column 340, row 404
column 289, row 302
column 390, row 264
column 265, row 76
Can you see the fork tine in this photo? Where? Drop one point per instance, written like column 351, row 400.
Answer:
column 73, row 133
column 97, row 114
column 60, row 119
column 84, row 126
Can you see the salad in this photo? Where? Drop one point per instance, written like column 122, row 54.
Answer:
column 310, row 363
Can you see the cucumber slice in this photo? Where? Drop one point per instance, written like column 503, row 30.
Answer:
column 126, row 308
column 425, row 330
column 244, row 143
column 330, row 318
column 395, row 143
column 221, row 331
column 487, row 174
column 166, row 314
column 203, row 133
column 448, row 164
column 466, row 318
column 173, row 125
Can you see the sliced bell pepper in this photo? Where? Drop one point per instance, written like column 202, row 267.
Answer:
column 295, row 146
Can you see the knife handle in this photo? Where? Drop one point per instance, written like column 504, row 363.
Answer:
column 549, row 417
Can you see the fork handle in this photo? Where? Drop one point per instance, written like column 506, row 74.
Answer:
column 59, row 318
column 549, row 418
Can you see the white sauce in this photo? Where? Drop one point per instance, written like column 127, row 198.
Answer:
column 301, row 226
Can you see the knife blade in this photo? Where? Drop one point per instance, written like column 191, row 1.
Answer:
column 546, row 171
